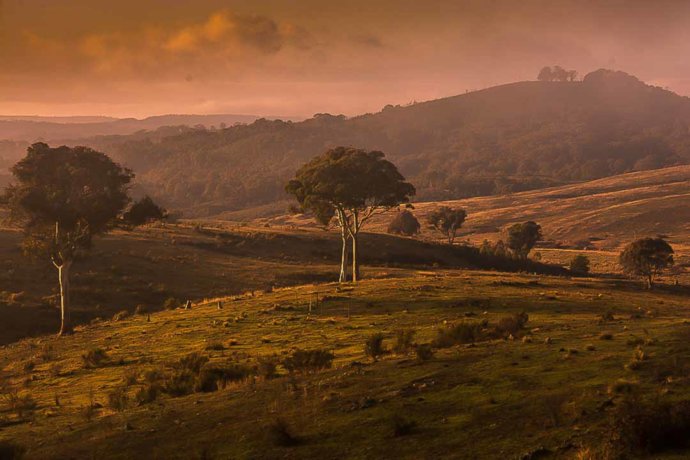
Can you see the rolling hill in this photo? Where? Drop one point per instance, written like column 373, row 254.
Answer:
column 599, row 214
column 505, row 139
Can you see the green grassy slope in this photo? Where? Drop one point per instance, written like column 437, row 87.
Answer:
column 497, row 399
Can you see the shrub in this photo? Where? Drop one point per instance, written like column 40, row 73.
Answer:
column 402, row 426
column 22, row 404
column 640, row 428
column 404, row 223
column 131, row 377
column 280, row 434
column 267, row 366
column 308, row 360
column 118, row 399
column 193, row 362
column 579, row 264
column 606, row 336
column 171, row 303
column 511, row 325
column 10, row 450
column 404, row 340
column 95, row 357
column 180, row 383
column 119, row 316
column 374, row 346
column 212, row 377
column 147, row 393
column 215, row 346
column 424, row 352
column 465, row 332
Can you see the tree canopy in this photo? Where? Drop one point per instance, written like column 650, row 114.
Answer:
column 63, row 197
column 447, row 221
column 404, row 223
column 523, row 237
column 646, row 258
column 351, row 185
column 143, row 211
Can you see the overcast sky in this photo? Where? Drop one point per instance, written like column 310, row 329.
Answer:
column 299, row 57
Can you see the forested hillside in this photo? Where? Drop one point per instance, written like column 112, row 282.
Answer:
column 503, row 139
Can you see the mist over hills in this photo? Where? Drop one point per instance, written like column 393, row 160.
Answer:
column 504, row 139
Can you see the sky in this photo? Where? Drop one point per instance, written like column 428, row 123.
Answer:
column 299, row 57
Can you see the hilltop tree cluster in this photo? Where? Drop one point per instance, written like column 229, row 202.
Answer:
column 556, row 73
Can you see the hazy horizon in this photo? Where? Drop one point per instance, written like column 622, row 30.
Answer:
column 152, row 57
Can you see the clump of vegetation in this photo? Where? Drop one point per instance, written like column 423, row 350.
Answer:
column 211, row 378
column 266, row 366
column 148, row 393
column 143, row 211
column 465, row 332
column 404, row 341
column 118, row 399
column 402, row 426
column 22, row 404
column 606, row 336
column 511, row 325
column 215, row 346
column 645, row 428
column 424, row 352
column 579, row 264
column 404, row 223
column 308, row 360
column 119, row 316
column 141, row 310
column 280, row 434
column 95, row 357
column 171, row 303
column 374, row 346
column 131, row 377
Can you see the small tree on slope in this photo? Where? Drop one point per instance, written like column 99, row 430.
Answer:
column 646, row 257
column 63, row 197
column 353, row 185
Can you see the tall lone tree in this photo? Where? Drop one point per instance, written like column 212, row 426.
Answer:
column 447, row 221
column 523, row 237
column 647, row 258
column 351, row 185
column 63, row 197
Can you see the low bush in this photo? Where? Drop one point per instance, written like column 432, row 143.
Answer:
column 404, row 341
column 147, row 393
column 267, row 366
column 211, row 378
column 308, row 360
column 280, row 434
column 645, row 428
column 180, row 383
column 95, row 357
column 118, row 399
column 374, row 346
column 424, row 352
column 193, row 362
column 171, row 303
column 121, row 315
column 579, row 265
column 402, row 426
column 462, row 333
column 511, row 325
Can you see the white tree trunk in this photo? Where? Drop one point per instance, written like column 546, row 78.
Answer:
column 355, row 264
column 63, row 277
column 343, row 257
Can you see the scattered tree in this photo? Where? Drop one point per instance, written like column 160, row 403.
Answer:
column 143, row 211
column 447, row 221
column 351, row 185
column 545, row 74
column 523, row 237
column 647, row 258
column 580, row 264
column 404, row 223
column 63, row 197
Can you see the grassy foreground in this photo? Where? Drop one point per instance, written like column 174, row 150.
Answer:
column 550, row 389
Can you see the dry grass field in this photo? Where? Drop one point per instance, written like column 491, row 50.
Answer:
column 605, row 213
column 554, row 388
